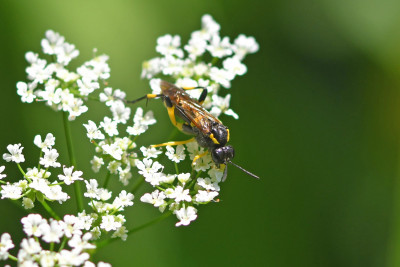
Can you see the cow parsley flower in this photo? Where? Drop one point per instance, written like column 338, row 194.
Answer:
column 70, row 176
column 5, row 245
column 186, row 215
column 15, row 154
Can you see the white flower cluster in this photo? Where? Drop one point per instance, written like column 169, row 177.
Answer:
column 117, row 153
column 105, row 217
column 67, row 232
column 182, row 191
column 61, row 88
column 193, row 71
column 36, row 183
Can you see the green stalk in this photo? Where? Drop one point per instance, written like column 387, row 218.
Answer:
column 107, row 179
column 68, row 136
column 49, row 210
column 136, row 229
column 137, row 185
column 11, row 257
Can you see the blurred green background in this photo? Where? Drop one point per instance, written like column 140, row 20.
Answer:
column 318, row 123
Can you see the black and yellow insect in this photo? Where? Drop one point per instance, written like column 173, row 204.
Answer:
column 208, row 131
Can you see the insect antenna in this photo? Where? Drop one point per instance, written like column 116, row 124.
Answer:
column 246, row 171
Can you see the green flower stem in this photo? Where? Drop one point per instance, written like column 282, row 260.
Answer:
column 136, row 229
column 176, row 168
column 23, row 173
column 107, row 179
column 63, row 243
column 11, row 257
column 137, row 185
column 49, row 210
column 52, row 246
column 68, row 136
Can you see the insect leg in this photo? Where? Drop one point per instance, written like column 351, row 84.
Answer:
column 203, row 96
column 199, row 156
column 174, row 143
column 148, row 96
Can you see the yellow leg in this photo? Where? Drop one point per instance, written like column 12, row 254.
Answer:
column 171, row 114
column 199, row 156
column 174, row 143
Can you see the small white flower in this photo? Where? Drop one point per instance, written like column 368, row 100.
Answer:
column 156, row 198
column 180, row 194
column 233, row 65
column 109, row 126
column 54, row 192
column 75, row 108
column 52, row 232
column 124, row 199
column 15, row 154
column 91, row 188
column 122, row 233
column 30, row 246
column 196, row 47
column 152, row 67
column 219, row 48
column 92, row 131
column 48, row 142
column 87, row 86
column 32, row 224
column 185, row 215
column 66, row 53
column 125, row 175
column 155, row 86
column 150, row 152
column 52, row 43
column 96, row 163
column 52, row 95
column 177, row 156
column 109, row 223
column 168, row 45
column 147, row 119
column 120, row 112
column 149, row 170
column 136, row 129
column 114, row 150
column 221, row 76
column 26, row 91
column 81, row 242
column 244, row 45
column 70, row 176
column 74, row 257
column 183, row 177
column 12, row 191
column 34, row 173
column 5, row 245
column 207, row 184
column 205, row 196
column 221, row 105
column 50, row 158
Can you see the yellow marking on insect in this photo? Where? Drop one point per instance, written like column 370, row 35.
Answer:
column 189, row 88
column 198, row 156
column 213, row 139
column 171, row 114
column 149, row 96
column 174, row 143
column 228, row 135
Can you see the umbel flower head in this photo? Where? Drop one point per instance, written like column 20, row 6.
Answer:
column 51, row 81
column 207, row 60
